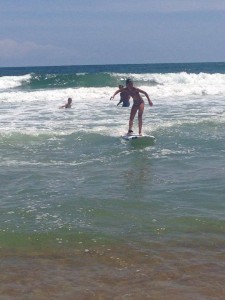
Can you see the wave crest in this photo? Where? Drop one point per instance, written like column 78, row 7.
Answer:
column 10, row 82
column 157, row 84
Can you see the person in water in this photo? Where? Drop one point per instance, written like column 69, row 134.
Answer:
column 124, row 97
column 68, row 104
column 138, row 103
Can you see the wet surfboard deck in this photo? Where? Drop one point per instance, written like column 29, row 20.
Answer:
column 137, row 137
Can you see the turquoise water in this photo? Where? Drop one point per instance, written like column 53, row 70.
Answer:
column 83, row 211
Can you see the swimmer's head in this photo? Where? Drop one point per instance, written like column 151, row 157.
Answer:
column 129, row 81
column 69, row 100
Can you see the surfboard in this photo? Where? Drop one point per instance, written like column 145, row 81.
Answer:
column 133, row 137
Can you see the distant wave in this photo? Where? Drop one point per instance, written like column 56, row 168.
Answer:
column 159, row 84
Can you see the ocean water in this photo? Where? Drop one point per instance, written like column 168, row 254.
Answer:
column 86, row 215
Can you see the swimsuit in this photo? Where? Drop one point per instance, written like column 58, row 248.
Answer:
column 126, row 103
column 138, row 102
column 125, row 98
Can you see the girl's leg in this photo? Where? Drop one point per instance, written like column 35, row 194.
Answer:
column 132, row 115
column 140, row 113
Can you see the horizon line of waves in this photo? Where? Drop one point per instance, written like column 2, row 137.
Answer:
column 201, row 83
column 76, row 80
column 57, row 81
column 105, row 79
column 88, row 85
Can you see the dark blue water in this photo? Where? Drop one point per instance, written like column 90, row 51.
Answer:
column 196, row 68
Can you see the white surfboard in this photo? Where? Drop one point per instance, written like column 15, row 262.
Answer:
column 132, row 137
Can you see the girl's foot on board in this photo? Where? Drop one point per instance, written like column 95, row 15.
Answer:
column 130, row 132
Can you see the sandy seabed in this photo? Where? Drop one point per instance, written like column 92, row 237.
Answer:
column 121, row 272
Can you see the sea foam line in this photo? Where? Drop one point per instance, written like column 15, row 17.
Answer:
column 9, row 82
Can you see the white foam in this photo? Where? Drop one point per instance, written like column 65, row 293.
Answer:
column 157, row 85
column 9, row 82
column 179, row 84
column 175, row 96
